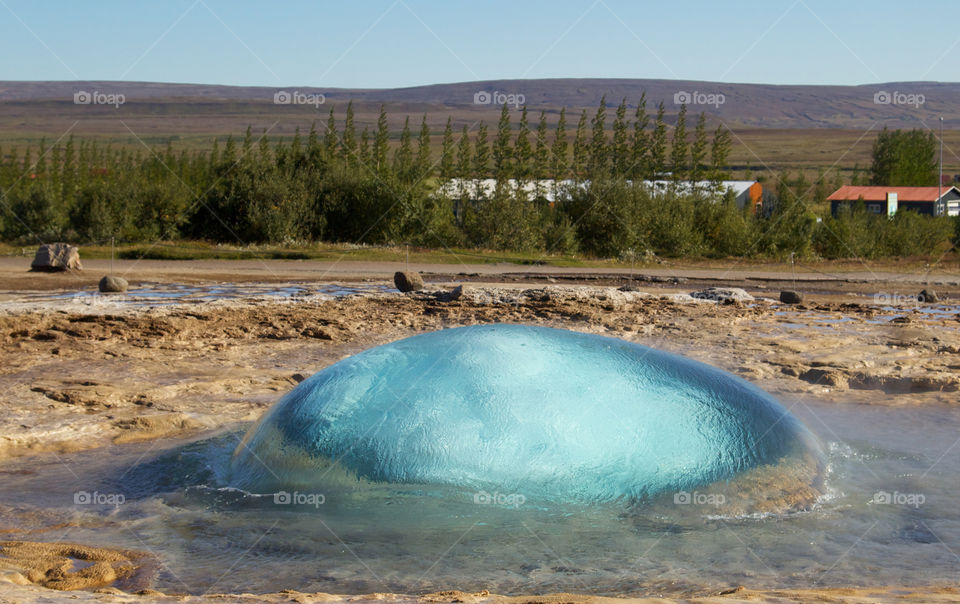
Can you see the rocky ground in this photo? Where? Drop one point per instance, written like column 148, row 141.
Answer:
column 79, row 376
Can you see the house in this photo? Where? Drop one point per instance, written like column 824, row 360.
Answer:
column 933, row 201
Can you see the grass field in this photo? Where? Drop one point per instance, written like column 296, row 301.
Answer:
column 200, row 250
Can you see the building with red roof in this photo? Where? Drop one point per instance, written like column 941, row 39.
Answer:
column 934, row 201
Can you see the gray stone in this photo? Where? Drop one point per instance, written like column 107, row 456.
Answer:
column 113, row 285
column 408, row 281
column 928, row 296
column 442, row 295
column 56, row 257
column 724, row 295
column 791, row 297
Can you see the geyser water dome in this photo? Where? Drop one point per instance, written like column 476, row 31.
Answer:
column 549, row 413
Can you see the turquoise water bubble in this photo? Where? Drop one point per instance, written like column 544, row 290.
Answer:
column 547, row 413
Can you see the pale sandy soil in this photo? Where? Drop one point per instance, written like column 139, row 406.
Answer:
column 78, row 376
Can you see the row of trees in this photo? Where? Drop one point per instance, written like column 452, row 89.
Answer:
column 338, row 184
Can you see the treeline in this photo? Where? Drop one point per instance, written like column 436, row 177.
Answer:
column 339, row 183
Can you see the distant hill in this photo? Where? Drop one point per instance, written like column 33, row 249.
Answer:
column 913, row 104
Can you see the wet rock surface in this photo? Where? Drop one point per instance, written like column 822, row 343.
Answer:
column 83, row 378
column 68, row 566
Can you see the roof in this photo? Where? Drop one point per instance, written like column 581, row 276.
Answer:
column 852, row 193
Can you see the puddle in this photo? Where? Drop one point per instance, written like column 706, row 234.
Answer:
column 157, row 294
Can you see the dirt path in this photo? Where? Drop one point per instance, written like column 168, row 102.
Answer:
column 15, row 275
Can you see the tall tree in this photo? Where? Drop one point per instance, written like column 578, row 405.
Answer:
column 580, row 147
column 463, row 168
column 541, row 152
column 719, row 152
column 522, row 151
column 679, row 145
column 558, row 152
column 658, row 144
column 349, row 141
column 423, row 165
column 639, row 142
column 621, row 150
column 403, row 156
column 330, row 145
column 698, row 150
column 446, row 151
column 599, row 154
column 381, row 142
column 501, row 145
column 481, row 156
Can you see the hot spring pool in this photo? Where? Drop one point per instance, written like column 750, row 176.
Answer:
column 885, row 513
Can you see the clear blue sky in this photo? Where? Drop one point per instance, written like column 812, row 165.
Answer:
column 389, row 43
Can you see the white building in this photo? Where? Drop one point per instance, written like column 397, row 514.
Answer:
column 746, row 192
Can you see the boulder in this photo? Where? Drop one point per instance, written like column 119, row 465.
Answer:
column 113, row 285
column 408, row 281
column 791, row 297
column 56, row 257
column 724, row 295
column 928, row 296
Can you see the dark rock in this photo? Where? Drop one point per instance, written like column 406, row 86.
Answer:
column 445, row 295
column 113, row 285
column 407, row 281
column 56, row 257
column 928, row 296
column 791, row 297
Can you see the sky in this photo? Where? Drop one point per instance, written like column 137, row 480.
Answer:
column 396, row 43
